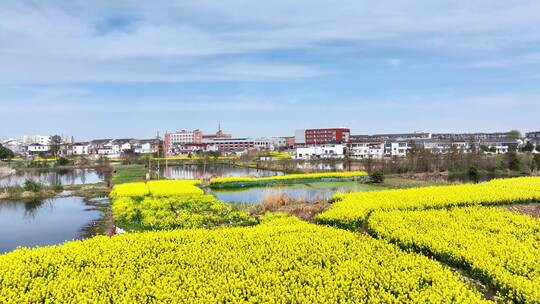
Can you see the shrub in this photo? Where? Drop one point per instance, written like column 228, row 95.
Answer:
column 376, row 177
column 62, row 161
column 32, row 186
column 58, row 188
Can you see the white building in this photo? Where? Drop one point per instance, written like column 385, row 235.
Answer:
column 80, row 149
column 396, row 148
column 321, row 151
column 145, row 146
column 38, row 148
column 363, row 150
column 264, row 144
column 36, row 139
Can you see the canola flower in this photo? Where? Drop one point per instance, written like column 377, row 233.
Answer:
column 129, row 189
column 174, row 187
column 157, row 188
column 283, row 260
column 498, row 246
column 171, row 204
column 224, row 182
column 176, row 212
column 351, row 209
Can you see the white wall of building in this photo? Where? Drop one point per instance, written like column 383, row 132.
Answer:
column 321, row 151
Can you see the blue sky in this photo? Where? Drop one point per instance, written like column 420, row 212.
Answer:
column 96, row 69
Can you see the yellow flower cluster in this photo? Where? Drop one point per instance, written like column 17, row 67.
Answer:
column 497, row 245
column 174, row 187
column 351, row 209
column 176, row 212
column 281, row 261
column 223, row 182
column 157, row 188
column 171, row 204
column 129, row 189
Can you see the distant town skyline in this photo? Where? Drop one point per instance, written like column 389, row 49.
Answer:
column 96, row 69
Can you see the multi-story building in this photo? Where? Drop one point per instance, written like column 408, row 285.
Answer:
column 81, row 148
column 38, row 149
column 500, row 145
column 322, row 136
column 469, row 136
column 397, row 136
column 396, row 148
column 239, row 144
column 321, row 151
column 43, row 140
column 182, row 137
column 366, row 149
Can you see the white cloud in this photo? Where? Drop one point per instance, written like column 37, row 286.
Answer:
column 162, row 41
column 392, row 61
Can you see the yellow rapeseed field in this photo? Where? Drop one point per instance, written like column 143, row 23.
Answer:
column 157, row 188
column 497, row 245
column 351, row 209
column 281, row 261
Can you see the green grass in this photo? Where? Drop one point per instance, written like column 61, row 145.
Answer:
column 129, row 174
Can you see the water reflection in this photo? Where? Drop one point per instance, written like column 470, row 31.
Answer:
column 53, row 177
column 199, row 172
column 46, row 222
column 308, row 192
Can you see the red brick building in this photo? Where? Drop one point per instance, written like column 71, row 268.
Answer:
column 326, row 136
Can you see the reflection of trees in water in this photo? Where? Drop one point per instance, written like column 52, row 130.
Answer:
column 53, row 177
column 212, row 170
column 31, row 207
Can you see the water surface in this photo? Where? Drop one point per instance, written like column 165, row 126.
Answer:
column 307, row 192
column 53, row 177
column 47, row 222
column 200, row 171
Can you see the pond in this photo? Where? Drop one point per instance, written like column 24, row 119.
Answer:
column 307, row 192
column 53, row 177
column 47, row 222
column 198, row 171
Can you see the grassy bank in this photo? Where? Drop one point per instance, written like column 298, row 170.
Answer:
column 129, row 174
column 239, row 182
column 40, row 192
